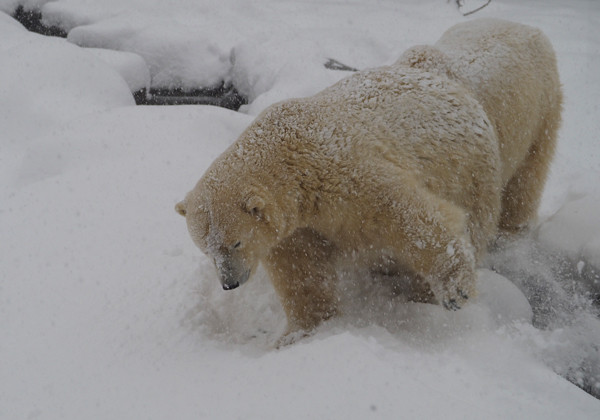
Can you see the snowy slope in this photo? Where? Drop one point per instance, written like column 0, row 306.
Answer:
column 107, row 310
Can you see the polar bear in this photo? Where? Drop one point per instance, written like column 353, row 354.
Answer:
column 409, row 168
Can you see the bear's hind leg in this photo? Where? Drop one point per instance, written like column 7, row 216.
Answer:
column 304, row 277
column 522, row 194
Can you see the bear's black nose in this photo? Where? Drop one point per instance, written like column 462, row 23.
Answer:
column 231, row 286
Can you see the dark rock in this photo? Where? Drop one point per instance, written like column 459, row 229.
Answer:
column 32, row 21
column 225, row 96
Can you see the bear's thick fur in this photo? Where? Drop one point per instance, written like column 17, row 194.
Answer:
column 409, row 168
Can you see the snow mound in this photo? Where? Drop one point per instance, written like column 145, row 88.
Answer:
column 13, row 33
column 47, row 81
column 132, row 68
column 178, row 55
column 574, row 230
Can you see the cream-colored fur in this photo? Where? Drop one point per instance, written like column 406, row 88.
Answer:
column 511, row 70
column 406, row 168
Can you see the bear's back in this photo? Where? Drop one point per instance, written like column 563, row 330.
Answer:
column 404, row 110
column 427, row 126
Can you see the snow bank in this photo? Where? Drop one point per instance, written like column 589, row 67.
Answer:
column 178, row 54
column 12, row 32
column 191, row 45
column 79, row 295
column 46, row 82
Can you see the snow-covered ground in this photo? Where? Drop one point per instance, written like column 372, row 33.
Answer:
column 108, row 311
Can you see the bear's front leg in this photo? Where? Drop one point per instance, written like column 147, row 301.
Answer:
column 453, row 276
column 303, row 275
column 444, row 259
column 428, row 235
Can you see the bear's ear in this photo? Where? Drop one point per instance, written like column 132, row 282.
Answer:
column 180, row 208
column 255, row 206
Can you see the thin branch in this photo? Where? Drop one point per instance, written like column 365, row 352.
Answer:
column 473, row 11
column 333, row 64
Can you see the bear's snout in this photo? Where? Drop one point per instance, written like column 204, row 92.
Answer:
column 231, row 286
column 232, row 272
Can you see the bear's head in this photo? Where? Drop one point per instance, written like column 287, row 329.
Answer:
column 235, row 223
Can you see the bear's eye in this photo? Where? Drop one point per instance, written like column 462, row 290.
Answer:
column 237, row 245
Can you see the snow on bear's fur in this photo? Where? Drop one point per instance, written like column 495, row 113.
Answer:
column 405, row 169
